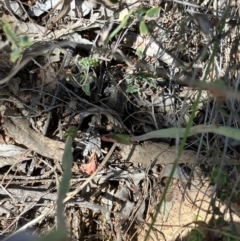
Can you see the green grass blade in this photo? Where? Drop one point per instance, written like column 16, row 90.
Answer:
column 179, row 132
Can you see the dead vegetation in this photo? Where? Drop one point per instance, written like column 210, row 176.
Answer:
column 92, row 64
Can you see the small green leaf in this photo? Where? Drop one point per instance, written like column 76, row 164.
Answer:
column 139, row 53
column 113, row 1
column 140, row 18
column 122, row 25
column 154, row 84
column 11, row 36
column 84, row 64
column 219, row 83
column 82, row 78
column 195, row 235
column 16, row 43
column 198, row 218
column 15, row 54
column 24, row 42
column 153, row 11
column 132, row 89
column 218, row 176
column 86, row 89
column 143, row 28
column 71, row 131
column 142, row 11
column 87, row 63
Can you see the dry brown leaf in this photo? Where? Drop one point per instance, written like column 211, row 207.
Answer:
column 91, row 166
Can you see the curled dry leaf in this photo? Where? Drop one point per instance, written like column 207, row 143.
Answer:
column 91, row 166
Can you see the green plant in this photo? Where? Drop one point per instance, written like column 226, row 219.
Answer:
column 61, row 232
column 17, row 43
column 195, row 235
column 181, row 132
column 219, row 177
column 135, row 83
column 142, row 14
column 85, row 64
